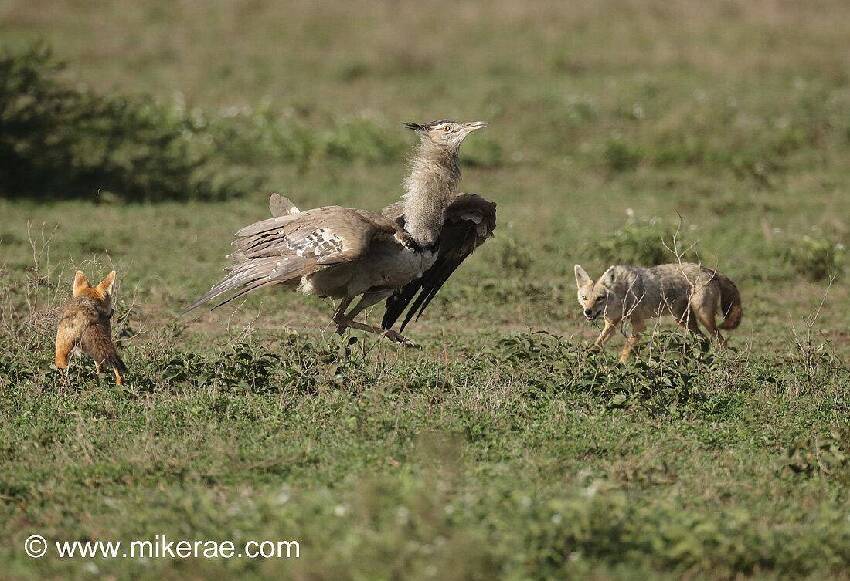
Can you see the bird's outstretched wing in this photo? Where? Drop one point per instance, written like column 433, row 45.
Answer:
column 470, row 220
column 285, row 248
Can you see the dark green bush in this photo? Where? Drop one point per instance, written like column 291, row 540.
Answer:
column 261, row 135
column 827, row 455
column 816, row 257
column 482, row 152
column 621, row 156
column 364, row 140
column 60, row 141
column 639, row 242
column 514, row 257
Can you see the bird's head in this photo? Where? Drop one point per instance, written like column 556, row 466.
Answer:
column 445, row 133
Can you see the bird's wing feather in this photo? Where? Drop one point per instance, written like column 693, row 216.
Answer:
column 254, row 274
column 281, row 205
column 470, row 220
column 285, row 248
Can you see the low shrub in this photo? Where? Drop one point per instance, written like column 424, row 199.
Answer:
column 815, row 256
column 621, row 156
column 825, row 456
column 514, row 257
column 669, row 371
column 639, row 242
column 61, row 141
column 58, row 140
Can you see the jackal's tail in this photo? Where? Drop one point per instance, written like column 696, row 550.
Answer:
column 96, row 342
column 730, row 302
column 118, row 365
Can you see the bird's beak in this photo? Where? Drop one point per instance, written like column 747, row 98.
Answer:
column 474, row 125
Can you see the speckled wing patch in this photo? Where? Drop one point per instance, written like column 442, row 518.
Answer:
column 319, row 242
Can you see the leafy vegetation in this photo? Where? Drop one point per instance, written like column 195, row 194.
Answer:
column 640, row 241
column 816, row 257
column 58, row 141
column 439, row 457
column 505, row 447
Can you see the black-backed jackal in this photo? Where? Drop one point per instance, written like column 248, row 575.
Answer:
column 688, row 292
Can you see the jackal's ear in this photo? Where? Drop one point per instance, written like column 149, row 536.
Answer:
column 81, row 283
column 105, row 286
column 582, row 278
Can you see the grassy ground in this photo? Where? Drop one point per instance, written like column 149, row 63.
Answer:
column 503, row 447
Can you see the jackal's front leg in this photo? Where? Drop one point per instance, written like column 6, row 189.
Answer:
column 607, row 332
column 637, row 329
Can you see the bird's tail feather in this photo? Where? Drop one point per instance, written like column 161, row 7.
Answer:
column 253, row 274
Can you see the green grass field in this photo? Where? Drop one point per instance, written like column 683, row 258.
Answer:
column 504, row 448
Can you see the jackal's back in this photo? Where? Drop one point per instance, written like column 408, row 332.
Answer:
column 85, row 323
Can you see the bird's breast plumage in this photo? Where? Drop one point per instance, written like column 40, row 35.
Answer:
column 407, row 265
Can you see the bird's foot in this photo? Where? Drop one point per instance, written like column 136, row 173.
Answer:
column 343, row 323
column 399, row 338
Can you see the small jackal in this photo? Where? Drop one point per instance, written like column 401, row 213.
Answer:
column 85, row 324
column 688, row 292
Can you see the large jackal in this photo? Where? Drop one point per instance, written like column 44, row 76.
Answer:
column 688, row 292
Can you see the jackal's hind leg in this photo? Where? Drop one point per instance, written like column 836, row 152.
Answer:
column 688, row 322
column 709, row 321
column 64, row 346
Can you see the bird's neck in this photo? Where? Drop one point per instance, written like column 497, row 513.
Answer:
column 428, row 190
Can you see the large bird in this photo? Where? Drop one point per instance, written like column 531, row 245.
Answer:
column 404, row 254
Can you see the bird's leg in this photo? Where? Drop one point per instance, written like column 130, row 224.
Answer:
column 367, row 300
column 339, row 315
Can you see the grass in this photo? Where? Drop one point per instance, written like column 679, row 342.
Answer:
column 504, row 447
